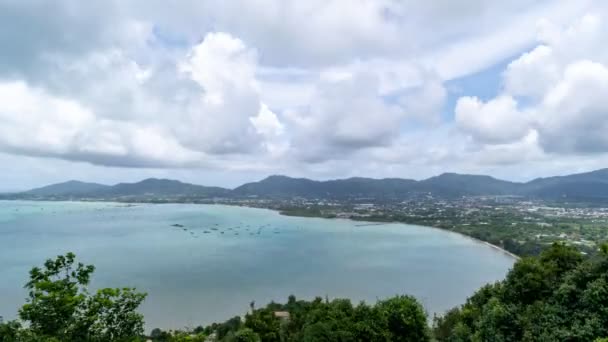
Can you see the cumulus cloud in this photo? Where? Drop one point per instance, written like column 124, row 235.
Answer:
column 219, row 122
column 266, row 122
column 344, row 115
column 556, row 90
column 110, row 110
column 573, row 117
column 534, row 72
column 497, row 121
column 35, row 123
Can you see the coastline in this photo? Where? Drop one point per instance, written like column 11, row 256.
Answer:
column 514, row 256
column 284, row 213
column 367, row 223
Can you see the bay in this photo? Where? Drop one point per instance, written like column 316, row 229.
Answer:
column 224, row 257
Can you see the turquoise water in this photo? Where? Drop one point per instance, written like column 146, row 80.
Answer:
column 193, row 277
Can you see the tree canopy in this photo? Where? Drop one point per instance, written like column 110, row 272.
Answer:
column 400, row 318
column 559, row 296
column 59, row 307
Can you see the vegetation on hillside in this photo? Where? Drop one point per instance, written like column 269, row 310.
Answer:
column 558, row 296
column 400, row 318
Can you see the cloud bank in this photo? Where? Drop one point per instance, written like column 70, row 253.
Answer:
column 316, row 87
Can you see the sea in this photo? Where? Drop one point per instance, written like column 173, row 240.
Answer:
column 206, row 263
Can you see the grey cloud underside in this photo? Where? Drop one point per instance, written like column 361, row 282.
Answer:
column 127, row 161
column 34, row 32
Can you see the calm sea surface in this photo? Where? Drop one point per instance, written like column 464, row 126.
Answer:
column 193, row 277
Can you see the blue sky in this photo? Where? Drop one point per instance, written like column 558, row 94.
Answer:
column 222, row 93
column 485, row 84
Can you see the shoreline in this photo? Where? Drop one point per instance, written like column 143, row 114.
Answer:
column 283, row 213
column 380, row 223
column 514, row 256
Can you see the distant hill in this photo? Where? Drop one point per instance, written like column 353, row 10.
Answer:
column 583, row 186
column 162, row 187
column 453, row 184
column 589, row 186
column 145, row 188
column 447, row 184
column 282, row 186
column 72, row 187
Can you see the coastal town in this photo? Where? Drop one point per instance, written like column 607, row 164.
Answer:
column 519, row 225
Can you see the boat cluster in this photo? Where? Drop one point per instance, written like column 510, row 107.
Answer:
column 239, row 229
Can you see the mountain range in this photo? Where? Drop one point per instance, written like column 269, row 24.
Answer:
column 583, row 186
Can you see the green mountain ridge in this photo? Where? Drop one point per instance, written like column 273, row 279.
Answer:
column 72, row 187
column 583, row 186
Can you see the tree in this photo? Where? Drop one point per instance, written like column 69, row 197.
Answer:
column 156, row 333
column 245, row 335
column 264, row 323
column 59, row 305
column 405, row 319
column 9, row 331
column 56, row 292
column 110, row 315
column 557, row 296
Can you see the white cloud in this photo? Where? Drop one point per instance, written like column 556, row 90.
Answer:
column 573, row 117
column 524, row 150
column 532, row 73
column 496, row 32
column 561, row 84
column 35, row 123
column 221, row 63
column 343, row 116
column 266, row 122
column 497, row 121
column 224, row 68
column 425, row 103
column 107, row 109
column 32, row 119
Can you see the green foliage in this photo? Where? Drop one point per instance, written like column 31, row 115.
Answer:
column 56, row 292
column 60, row 308
column 244, row 335
column 110, row 315
column 399, row 318
column 10, row 331
column 196, row 335
column 558, row 296
column 404, row 318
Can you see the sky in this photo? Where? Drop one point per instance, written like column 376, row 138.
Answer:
column 227, row 92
